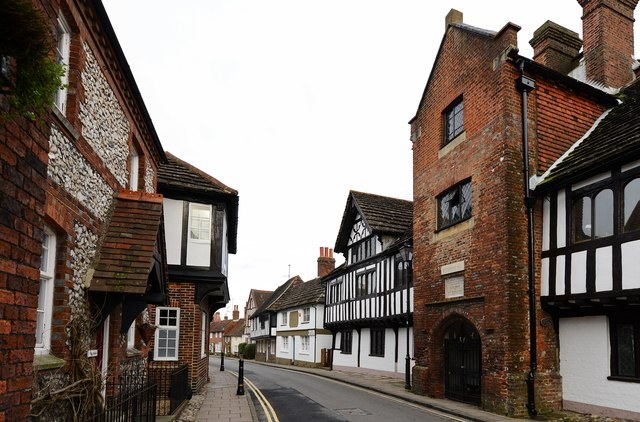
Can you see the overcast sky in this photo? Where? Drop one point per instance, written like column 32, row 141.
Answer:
column 294, row 103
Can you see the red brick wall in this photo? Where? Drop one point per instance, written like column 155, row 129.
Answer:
column 23, row 161
column 493, row 244
column 182, row 295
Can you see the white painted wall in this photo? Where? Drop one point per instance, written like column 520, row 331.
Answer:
column 173, row 229
column 585, row 366
column 630, row 268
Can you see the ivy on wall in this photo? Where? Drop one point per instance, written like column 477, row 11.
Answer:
column 29, row 74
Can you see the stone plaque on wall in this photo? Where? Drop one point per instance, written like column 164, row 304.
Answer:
column 454, row 287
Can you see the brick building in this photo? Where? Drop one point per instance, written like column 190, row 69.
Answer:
column 201, row 223
column 78, row 189
column 477, row 336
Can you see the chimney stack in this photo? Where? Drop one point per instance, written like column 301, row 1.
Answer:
column 454, row 16
column 556, row 47
column 216, row 317
column 326, row 261
column 607, row 30
column 236, row 313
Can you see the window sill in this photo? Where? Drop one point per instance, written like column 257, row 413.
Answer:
column 376, row 356
column 454, row 229
column 446, row 149
column 66, row 124
column 623, row 379
column 44, row 362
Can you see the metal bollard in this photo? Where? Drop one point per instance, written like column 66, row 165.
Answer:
column 222, row 361
column 240, row 391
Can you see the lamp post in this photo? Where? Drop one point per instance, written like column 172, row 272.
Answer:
column 405, row 254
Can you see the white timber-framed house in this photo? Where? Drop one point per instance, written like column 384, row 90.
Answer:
column 369, row 298
column 263, row 324
column 590, row 276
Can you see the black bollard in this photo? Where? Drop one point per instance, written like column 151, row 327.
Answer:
column 222, row 361
column 240, row 391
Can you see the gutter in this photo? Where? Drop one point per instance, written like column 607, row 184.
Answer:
column 525, row 85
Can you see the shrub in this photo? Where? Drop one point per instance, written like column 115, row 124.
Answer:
column 250, row 351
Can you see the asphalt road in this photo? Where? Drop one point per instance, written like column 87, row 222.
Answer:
column 301, row 397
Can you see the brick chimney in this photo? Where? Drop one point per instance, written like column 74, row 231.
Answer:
column 326, row 261
column 236, row 313
column 607, row 30
column 555, row 46
column 454, row 16
column 216, row 317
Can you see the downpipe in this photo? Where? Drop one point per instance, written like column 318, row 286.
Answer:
column 525, row 85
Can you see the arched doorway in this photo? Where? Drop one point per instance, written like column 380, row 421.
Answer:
column 462, row 360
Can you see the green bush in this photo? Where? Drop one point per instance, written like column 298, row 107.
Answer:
column 250, row 351
column 25, row 36
column 241, row 348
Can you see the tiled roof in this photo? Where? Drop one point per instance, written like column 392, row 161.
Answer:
column 219, row 326
column 126, row 253
column 178, row 173
column 177, row 177
column 236, row 329
column 382, row 214
column 309, row 293
column 261, row 296
column 276, row 295
column 615, row 138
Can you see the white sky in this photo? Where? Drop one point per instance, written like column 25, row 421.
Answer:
column 293, row 103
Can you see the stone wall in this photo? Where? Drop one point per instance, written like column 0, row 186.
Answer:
column 104, row 124
column 73, row 172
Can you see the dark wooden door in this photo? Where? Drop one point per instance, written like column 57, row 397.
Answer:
column 462, row 363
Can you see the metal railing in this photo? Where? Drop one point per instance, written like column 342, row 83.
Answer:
column 172, row 380
column 129, row 402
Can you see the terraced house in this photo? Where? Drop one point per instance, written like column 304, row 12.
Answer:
column 82, row 240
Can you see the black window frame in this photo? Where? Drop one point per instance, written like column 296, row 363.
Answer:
column 376, row 346
column 403, row 275
column 346, row 342
column 458, row 188
column 368, row 287
column 363, row 249
column 614, row 323
column 451, row 130
column 592, row 194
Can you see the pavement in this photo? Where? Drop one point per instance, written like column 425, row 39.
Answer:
column 222, row 404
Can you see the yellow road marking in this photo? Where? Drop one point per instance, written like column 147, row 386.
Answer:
column 266, row 406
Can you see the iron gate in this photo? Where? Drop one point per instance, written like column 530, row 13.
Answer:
column 462, row 363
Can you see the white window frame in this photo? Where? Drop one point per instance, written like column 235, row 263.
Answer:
column 285, row 343
column 285, row 320
column 167, row 328
column 306, row 315
column 203, row 334
column 134, row 175
column 45, row 296
column 304, row 344
column 131, row 336
column 193, row 206
column 62, row 57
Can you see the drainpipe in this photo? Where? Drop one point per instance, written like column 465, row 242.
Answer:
column 526, row 84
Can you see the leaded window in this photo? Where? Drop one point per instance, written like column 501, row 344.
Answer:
column 632, row 205
column 453, row 120
column 377, row 342
column 454, row 205
column 593, row 216
column 625, row 348
column 346, row 339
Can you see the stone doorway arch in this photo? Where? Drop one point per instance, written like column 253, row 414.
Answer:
column 462, row 362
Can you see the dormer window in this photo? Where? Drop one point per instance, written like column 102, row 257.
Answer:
column 453, row 120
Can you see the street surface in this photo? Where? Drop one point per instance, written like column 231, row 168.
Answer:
column 296, row 396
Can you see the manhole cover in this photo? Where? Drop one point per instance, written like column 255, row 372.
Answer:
column 354, row 411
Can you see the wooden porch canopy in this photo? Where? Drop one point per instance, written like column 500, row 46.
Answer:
column 130, row 266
